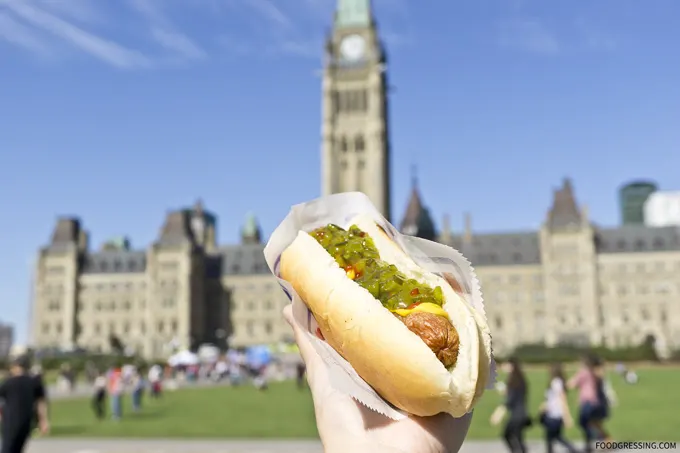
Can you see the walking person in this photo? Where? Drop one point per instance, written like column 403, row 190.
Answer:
column 99, row 397
column 555, row 413
column 137, row 384
column 155, row 378
column 22, row 395
column 300, row 371
column 516, row 405
column 586, row 381
column 605, row 399
column 115, row 392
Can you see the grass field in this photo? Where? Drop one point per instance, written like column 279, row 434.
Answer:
column 647, row 411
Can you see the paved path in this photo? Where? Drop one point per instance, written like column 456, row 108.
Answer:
column 200, row 446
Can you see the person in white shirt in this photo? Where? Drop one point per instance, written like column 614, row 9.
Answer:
column 155, row 377
column 555, row 411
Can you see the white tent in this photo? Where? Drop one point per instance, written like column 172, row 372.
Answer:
column 208, row 353
column 183, row 358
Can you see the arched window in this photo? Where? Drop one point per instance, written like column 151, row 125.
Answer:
column 359, row 144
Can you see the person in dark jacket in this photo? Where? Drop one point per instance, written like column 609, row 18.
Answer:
column 516, row 405
column 37, row 374
column 601, row 412
column 21, row 394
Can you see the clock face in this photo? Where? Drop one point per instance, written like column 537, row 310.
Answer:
column 353, row 47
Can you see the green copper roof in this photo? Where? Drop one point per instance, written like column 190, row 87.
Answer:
column 250, row 227
column 353, row 13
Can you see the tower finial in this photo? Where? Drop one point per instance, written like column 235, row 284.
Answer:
column 198, row 206
column 353, row 13
column 414, row 176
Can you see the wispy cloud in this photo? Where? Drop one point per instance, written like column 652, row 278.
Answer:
column 111, row 31
column 234, row 46
column 269, row 10
column 307, row 49
column 20, row 35
column 528, row 35
column 298, row 31
column 84, row 11
column 178, row 43
column 594, row 38
column 149, row 9
column 165, row 34
column 98, row 47
column 399, row 7
column 320, row 8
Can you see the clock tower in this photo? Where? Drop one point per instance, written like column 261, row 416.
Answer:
column 355, row 150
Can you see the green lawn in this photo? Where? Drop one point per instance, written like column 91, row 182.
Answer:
column 647, row 411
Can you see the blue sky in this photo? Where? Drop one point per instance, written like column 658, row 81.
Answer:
column 118, row 111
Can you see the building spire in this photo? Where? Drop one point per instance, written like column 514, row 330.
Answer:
column 353, row 13
column 414, row 177
column 564, row 211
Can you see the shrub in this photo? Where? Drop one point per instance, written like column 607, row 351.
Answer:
column 540, row 353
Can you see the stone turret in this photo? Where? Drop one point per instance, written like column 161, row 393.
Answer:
column 417, row 220
column 251, row 232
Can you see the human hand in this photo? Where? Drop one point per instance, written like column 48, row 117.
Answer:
column 497, row 415
column 44, row 427
column 346, row 425
column 568, row 422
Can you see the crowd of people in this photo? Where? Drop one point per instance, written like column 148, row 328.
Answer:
column 24, row 394
column 236, row 367
column 119, row 381
column 595, row 398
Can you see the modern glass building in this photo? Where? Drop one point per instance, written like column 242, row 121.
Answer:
column 632, row 198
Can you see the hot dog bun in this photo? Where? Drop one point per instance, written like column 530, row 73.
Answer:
column 382, row 350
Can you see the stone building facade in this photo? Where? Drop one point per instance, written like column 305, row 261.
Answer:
column 570, row 282
column 181, row 291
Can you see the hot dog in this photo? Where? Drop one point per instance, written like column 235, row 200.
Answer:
column 405, row 331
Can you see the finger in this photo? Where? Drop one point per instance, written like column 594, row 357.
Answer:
column 307, row 351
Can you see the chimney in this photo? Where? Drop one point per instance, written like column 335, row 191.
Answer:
column 467, row 235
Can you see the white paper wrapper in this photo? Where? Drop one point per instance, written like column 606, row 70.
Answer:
column 340, row 209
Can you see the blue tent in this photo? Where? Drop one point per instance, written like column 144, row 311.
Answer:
column 258, row 356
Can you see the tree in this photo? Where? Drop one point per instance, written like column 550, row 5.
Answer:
column 116, row 344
